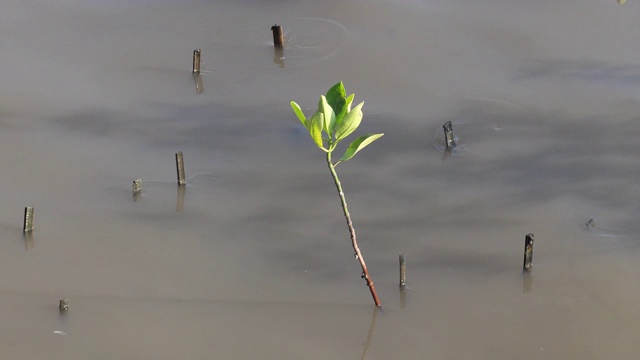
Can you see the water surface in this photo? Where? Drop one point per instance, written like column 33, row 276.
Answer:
column 252, row 259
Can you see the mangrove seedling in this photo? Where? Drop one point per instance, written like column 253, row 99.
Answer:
column 330, row 124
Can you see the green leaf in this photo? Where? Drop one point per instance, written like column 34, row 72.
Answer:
column 315, row 129
column 307, row 122
column 334, row 95
column 299, row 113
column 359, row 144
column 329, row 116
column 336, row 99
column 621, row 2
column 345, row 106
column 349, row 100
column 340, row 109
column 350, row 122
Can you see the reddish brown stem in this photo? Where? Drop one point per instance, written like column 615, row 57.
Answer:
column 352, row 231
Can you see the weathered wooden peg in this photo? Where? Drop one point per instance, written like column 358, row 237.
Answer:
column 137, row 186
column 180, row 168
column 403, row 272
column 196, row 61
column 28, row 220
column 64, row 305
column 137, row 189
column 278, row 36
column 591, row 223
column 528, row 253
column 450, row 140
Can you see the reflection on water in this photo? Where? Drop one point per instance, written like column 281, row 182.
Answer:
column 403, row 298
column 197, row 79
column 29, row 241
column 180, row 198
column 527, row 282
column 374, row 316
column 278, row 56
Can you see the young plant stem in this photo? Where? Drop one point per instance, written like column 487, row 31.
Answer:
column 352, row 231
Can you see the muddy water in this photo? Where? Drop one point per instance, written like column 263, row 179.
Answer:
column 252, row 259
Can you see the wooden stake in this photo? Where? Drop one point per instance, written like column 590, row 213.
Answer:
column 136, row 189
column 180, row 168
column 528, row 253
column 196, row 61
column 403, row 279
column 28, row 220
column 137, row 186
column 450, row 140
column 64, row 305
column 278, row 36
column 591, row 223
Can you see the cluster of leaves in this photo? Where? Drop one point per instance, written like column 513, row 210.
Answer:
column 334, row 121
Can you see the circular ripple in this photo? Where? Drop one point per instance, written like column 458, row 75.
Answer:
column 308, row 41
column 311, row 34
